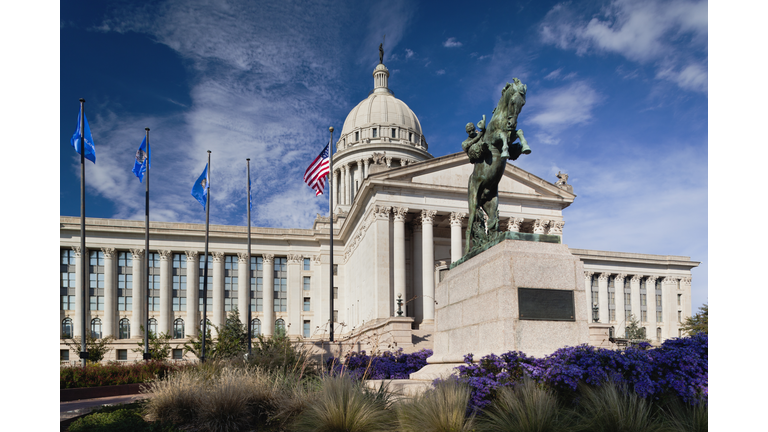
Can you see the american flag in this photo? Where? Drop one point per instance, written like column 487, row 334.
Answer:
column 315, row 175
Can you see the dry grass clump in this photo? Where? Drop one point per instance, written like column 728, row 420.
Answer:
column 611, row 408
column 222, row 397
column 344, row 405
column 525, row 408
column 441, row 409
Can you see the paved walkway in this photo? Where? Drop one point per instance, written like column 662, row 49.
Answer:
column 84, row 406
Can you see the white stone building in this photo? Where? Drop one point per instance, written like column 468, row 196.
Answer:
column 399, row 220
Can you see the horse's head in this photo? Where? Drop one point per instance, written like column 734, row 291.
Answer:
column 512, row 101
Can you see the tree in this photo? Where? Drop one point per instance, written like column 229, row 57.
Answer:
column 195, row 344
column 97, row 348
column 159, row 346
column 231, row 340
column 634, row 331
column 698, row 323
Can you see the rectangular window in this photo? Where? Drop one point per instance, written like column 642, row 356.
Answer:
column 122, row 355
column 179, row 288
column 679, row 299
column 658, row 300
column 257, row 284
column 306, row 264
column 627, row 301
column 306, row 304
column 643, row 301
column 658, row 316
column 208, row 282
column 96, row 280
column 335, row 269
column 177, row 354
column 306, row 283
column 64, row 355
column 644, row 315
column 679, row 317
column 335, row 293
column 335, row 316
column 357, row 136
column 374, row 132
column 280, row 285
column 306, row 329
column 393, row 132
column 410, row 136
column 68, row 282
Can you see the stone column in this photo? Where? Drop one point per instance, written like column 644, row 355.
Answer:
column 110, row 292
column 428, row 264
column 219, row 318
column 139, row 290
column 295, row 295
column 514, row 224
column 382, row 299
column 588, row 288
column 602, row 287
column 418, row 291
column 456, row 252
column 359, row 173
column 336, row 189
column 621, row 317
column 268, row 267
column 164, row 323
column 77, row 322
column 366, row 162
column 192, row 322
column 399, row 255
column 668, row 307
column 345, row 192
column 650, row 304
column 635, row 293
column 243, row 284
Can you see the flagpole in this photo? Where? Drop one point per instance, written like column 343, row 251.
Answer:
column 248, row 262
column 83, row 268
column 205, row 256
column 330, row 217
column 147, row 355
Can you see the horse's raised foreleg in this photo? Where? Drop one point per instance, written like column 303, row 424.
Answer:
column 504, row 144
column 491, row 208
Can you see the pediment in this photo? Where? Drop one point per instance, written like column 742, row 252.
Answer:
column 454, row 170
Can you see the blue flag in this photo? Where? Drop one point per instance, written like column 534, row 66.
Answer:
column 142, row 162
column 90, row 150
column 200, row 189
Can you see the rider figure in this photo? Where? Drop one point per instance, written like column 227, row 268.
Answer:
column 474, row 145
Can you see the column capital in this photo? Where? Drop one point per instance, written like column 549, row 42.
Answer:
column 514, row 224
column 652, row 279
column 588, row 274
column 109, row 252
column 556, row 227
column 670, row 280
column 295, row 259
column 636, row 278
column 217, row 256
column 427, row 216
column 164, row 255
column 191, row 255
column 382, row 212
column 685, row 280
column 539, row 225
column 603, row 276
column 359, row 163
column 457, row 217
column 242, row 257
column 620, row 277
column 399, row 213
column 77, row 250
column 137, row 253
column 268, row 258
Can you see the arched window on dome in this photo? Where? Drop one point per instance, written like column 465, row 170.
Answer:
column 66, row 328
column 410, row 136
column 124, row 329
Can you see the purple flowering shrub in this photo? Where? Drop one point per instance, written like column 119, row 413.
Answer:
column 678, row 368
column 388, row 365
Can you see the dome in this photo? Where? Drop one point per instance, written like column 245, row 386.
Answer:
column 381, row 118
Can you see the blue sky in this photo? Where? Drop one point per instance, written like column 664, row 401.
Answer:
column 617, row 98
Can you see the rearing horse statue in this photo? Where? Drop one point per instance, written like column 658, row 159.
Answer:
column 489, row 150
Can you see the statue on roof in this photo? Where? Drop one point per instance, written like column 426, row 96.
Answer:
column 381, row 50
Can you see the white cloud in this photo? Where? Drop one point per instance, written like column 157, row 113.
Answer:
column 566, row 106
column 554, row 74
column 408, row 53
column 451, row 42
column 388, row 20
column 658, row 32
column 441, row 72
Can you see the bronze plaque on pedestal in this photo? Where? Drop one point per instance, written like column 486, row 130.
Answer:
column 546, row 304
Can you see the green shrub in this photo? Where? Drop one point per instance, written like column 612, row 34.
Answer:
column 526, row 407
column 440, row 409
column 344, row 405
column 279, row 354
column 114, row 373
column 120, row 418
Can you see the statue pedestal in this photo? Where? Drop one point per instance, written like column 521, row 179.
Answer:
column 516, row 296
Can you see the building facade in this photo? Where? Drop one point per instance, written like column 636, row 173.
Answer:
column 399, row 221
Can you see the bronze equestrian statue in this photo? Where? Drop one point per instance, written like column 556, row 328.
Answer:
column 488, row 149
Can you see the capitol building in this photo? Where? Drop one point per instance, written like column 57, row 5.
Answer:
column 399, row 221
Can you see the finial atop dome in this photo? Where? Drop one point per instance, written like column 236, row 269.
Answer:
column 381, row 50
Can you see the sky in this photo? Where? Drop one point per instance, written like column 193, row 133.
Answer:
column 617, row 98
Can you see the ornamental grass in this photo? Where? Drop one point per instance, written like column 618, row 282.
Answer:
column 526, row 407
column 443, row 408
column 611, row 407
column 344, row 405
column 114, row 373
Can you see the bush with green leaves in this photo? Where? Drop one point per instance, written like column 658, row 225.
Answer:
column 97, row 348
column 115, row 373
column 119, row 418
column 231, row 340
column 159, row 345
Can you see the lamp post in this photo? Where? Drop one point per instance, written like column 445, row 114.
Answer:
column 595, row 313
column 399, row 305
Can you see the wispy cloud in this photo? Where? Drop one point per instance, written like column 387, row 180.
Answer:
column 562, row 107
column 390, row 19
column 451, row 42
column 408, row 53
column 261, row 78
column 441, row 72
column 670, row 35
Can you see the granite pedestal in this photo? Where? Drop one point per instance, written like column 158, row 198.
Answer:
column 478, row 307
